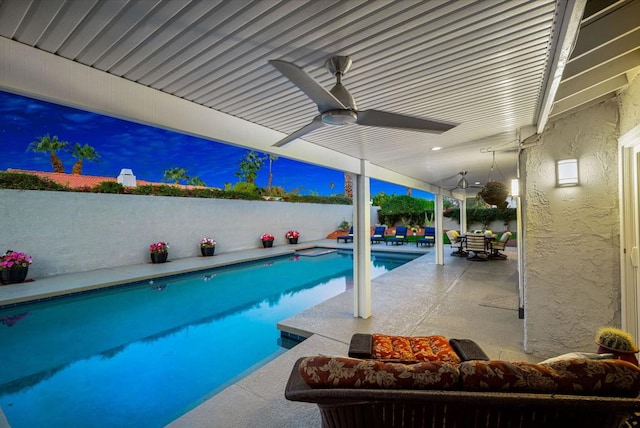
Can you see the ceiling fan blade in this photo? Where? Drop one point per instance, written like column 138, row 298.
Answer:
column 315, row 124
column 307, row 84
column 392, row 120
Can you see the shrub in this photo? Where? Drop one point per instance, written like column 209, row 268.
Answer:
column 143, row 190
column 203, row 193
column 20, row 181
column 275, row 191
column 108, row 187
column 245, row 187
column 164, row 190
column 314, row 199
column 404, row 209
column 242, row 190
column 483, row 215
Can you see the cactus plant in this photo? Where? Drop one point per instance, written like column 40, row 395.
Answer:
column 615, row 340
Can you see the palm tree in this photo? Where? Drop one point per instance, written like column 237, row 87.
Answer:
column 175, row 174
column 271, row 159
column 81, row 153
column 249, row 165
column 348, row 185
column 196, row 181
column 50, row 145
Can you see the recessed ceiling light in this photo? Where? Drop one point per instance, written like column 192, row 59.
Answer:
column 433, row 149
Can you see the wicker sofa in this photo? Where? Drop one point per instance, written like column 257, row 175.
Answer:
column 356, row 392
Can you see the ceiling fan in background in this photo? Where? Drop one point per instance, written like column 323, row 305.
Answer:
column 338, row 107
column 463, row 183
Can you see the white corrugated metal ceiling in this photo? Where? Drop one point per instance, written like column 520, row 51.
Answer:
column 482, row 64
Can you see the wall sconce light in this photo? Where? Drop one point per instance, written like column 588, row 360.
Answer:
column 515, row 187
column 567, row 172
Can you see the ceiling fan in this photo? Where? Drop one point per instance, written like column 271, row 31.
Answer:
column 463, row 183
column 338, row 107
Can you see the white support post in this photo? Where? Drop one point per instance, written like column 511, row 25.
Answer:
column 439, row 245
column 463, row 215
column 520, row 255
column 362, row 244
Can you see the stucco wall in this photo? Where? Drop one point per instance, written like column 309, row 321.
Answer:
column 73, row 232
column 571, row 259
column 629, row 105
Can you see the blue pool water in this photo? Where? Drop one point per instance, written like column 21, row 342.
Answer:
column 144, row 354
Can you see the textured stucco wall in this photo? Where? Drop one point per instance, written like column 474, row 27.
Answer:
column 629, row 105
column 571, row 275
column 74, row 232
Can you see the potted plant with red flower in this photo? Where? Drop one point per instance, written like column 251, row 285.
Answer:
column 14, row 267
column 267, row 240
column 207, row 247
column 159, row 252
column 292, row 236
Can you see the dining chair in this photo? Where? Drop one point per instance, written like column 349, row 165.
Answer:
column 476, row 244
column 457, row 242
column 498, row 246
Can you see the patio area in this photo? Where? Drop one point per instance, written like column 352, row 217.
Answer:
column 462, row 299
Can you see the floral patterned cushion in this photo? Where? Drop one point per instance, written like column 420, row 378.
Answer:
column 339, row 372
column 578, row 376
column 427, row 348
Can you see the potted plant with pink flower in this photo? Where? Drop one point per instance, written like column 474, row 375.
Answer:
column 292, row 236
column 207, row 247
column 267, row 240
column 14, row 267
column 159, row 251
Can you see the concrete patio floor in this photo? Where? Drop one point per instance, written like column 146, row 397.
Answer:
column 462, row 299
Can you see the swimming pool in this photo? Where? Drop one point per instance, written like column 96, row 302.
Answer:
column 144, row 354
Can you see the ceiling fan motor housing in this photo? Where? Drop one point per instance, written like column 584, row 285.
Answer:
column 339, row 117
column 338, row 64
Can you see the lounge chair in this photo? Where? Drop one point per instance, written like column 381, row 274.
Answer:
column 416, row 381
column 362, row 406
column 429, row 238
column 399, row 238
column 346, row 238
column 378, row 234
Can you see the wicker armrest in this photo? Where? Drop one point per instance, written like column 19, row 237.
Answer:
column 361, row 345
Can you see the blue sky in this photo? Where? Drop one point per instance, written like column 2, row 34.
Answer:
column 148, row 151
